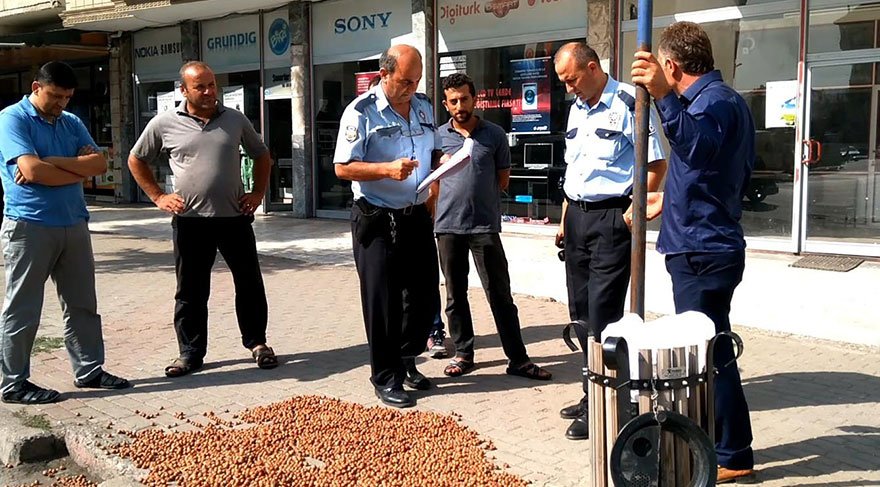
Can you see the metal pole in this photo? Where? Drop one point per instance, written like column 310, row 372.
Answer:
column 640, row 179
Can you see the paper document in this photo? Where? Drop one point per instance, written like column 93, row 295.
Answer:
column 450, row 167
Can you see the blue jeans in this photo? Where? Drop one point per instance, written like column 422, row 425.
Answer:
column 705, row 282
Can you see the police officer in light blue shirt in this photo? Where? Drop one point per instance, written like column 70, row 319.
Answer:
column 596, row 214
column 385, row 147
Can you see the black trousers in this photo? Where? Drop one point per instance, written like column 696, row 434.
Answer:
column 196, row 242
column 705, row 282
column 492, row 268
column 597, row 266
column 398, row 277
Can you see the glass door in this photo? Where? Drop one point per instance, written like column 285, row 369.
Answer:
column 840, row 212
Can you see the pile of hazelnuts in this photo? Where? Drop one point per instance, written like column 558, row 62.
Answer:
column 317, row 441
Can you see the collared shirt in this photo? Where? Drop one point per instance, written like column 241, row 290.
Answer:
column 24, row 132
column 712, row 136
column 371, row 131
column 470, row 199
column 204, row 157
column 600, row 145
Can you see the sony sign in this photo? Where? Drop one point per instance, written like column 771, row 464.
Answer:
column 357, row 23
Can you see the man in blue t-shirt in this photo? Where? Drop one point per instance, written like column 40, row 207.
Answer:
column 468, row 221
column 46, row 154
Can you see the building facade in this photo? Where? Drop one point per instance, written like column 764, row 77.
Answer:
column 808, row 68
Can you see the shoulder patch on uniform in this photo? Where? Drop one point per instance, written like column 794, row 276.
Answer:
column 365, row 102
column 351, row 133
column 627, row 99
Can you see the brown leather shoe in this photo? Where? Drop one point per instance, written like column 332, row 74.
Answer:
column 728, row 476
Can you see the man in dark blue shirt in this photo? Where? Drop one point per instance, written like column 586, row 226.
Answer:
column 712, row 137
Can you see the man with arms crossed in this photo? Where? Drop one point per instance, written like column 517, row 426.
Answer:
column 46, row 153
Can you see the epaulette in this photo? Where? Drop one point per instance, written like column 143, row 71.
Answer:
column 365, row 102
column 627, row 99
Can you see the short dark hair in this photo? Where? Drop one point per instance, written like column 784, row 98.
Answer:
column 582, row 53
column 388, row 59
column 58, row 74
column 191, row 64
column 457, row 80
column 689, row 46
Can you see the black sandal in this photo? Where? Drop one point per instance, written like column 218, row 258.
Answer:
column 265, row 357
column 458, row 367
column 530, row 371
column 104, row 380
column 182, row 366
column 30, row 393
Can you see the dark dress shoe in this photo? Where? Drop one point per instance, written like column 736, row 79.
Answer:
column 573, row 412
column 395, row 397
column 414, row 378
column 579, row 429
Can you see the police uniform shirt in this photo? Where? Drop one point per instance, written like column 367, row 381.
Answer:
column 600, row 145
column 371, row 131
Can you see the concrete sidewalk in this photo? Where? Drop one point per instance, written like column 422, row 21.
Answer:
column 836, row 306
column 814, row 403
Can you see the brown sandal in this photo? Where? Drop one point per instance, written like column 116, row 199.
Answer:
column 182, row 366
column 530, row 371
column 265, row 357
column 458, row 367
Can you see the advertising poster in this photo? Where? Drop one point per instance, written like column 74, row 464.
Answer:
column 165, row 101
column 530, row 95
column 233, row 97
column 781, row 104
column 362, row 81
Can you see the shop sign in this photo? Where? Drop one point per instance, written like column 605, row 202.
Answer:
column 527, row 97
column 231, row 44
column 530, row 80
column 349, row 30
column 157, row 53
column 464, row 24
column 278, row 85
column 276, row 52
column 781, row 103
column 233, row 97
column 362, row 81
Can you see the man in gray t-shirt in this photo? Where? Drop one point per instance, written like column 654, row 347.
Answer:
column 211, row 212
column 468, row 219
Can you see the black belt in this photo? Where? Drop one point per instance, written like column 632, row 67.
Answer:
column 621, row 202
column 368, row 207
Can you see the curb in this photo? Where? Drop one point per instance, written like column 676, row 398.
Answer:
column 86, row 449
column 22, row 444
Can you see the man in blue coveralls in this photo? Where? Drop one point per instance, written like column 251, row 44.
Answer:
column 712, row 136
column 46, row 154
column 386, row 147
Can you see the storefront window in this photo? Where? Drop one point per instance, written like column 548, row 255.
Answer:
column 536, row 126
column 336, row 85
column 672, row 7
column 757, row 56
column 844, row 28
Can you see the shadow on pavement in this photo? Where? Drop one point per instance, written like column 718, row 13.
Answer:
column 802, row 389
column 825, row 455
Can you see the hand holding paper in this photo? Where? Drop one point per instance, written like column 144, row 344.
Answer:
column 452, row 166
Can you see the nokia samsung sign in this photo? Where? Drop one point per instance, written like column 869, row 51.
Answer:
column 358, row 23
